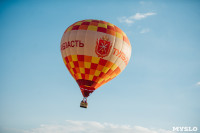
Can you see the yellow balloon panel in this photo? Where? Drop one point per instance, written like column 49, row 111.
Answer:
column 91, row 68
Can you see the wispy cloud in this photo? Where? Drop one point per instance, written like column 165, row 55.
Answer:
column 92, row 127
column 198, row 83
column 133, row 18
column 125, row 20
column 145, row 2
column 139, row 16
column 142, row 2
column 143, row 31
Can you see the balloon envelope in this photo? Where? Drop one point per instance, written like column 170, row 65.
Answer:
column 94, row 52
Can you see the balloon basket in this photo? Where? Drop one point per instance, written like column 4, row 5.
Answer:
column 84, row 104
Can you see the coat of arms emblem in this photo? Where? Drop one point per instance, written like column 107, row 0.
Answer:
column 103, row 46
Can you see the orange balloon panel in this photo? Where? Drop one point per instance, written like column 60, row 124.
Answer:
column 94, row 52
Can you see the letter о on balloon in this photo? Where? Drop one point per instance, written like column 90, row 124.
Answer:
column 94, row 52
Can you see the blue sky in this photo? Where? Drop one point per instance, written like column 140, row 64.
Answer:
column 159, row 89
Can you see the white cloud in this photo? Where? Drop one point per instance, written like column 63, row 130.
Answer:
column 92, row 127
column 198, row 83
column 133, row 18
column 125, row 20
column 142, row 2
column 145, row 2
column 144, row 30
column 139, row 16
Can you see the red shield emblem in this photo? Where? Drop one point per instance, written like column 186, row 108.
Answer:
column 103, row 46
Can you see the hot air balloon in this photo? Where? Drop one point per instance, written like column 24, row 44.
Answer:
column 94, row 52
